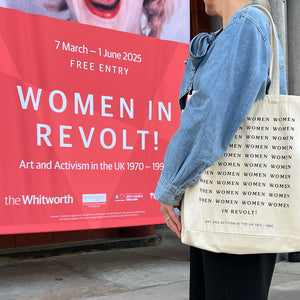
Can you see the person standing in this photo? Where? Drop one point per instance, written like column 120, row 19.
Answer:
column 226, row 71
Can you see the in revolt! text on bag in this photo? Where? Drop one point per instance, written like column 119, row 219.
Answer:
column 249, row 200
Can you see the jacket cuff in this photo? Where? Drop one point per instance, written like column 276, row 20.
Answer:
column 168, row 194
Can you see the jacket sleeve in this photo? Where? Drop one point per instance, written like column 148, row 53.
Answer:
column 237, row 75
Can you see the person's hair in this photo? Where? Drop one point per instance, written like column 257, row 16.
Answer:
column 157, row 12
column 265, row 3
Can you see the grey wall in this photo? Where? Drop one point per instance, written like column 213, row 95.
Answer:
column 279, row 13
column 293, row 25
column 288, row 26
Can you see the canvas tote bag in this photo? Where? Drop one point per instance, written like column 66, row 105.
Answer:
column 249, row 200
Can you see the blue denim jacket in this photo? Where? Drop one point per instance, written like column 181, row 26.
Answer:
column 227, row 71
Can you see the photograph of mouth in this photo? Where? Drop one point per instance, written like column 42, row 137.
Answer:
column 106, row 9
column 163, row 19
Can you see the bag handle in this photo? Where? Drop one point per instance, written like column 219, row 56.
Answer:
column 274, row 62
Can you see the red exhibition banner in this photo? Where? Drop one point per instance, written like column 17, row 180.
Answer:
column 86, row 116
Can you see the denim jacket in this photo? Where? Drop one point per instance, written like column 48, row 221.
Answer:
column 227, row 71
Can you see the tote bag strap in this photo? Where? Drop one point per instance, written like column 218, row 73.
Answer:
column 274, row 62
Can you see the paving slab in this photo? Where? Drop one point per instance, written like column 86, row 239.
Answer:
column 141, row 273
column 172, row 291
column 286, row 281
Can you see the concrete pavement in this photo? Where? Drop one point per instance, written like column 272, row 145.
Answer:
column 143, row 273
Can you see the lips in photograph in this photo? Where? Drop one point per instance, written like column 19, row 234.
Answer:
column 104, row 8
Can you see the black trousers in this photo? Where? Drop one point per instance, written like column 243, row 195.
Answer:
column 219, row 276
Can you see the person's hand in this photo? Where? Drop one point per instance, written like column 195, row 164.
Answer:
column 173, row 221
